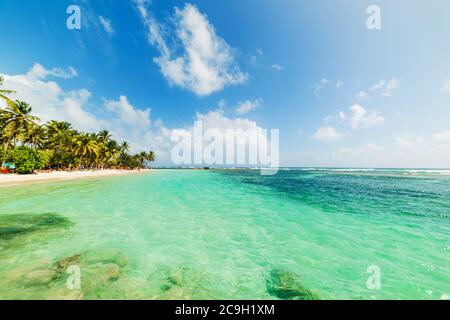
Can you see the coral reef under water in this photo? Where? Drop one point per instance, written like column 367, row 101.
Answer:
column 181, row 283
column 285, row 285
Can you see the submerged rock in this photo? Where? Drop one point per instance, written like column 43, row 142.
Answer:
column 105, row 256
column 176, row 277
column 182, row 283
column 102, row 270
column 109, row 272
column 63, row 264
column 285, row 285
column 98, row 267
column 40, row 277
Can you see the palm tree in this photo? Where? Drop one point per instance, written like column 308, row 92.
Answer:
column 8, row 101
column 36, row 137
column 141, row 157
column 68, row 146
column 151, row 156
column 16, row 119
column 145, row 157
column 108, row 151
column 57, row 127
column 104, row 136
column 86, row 146
column 124, row 147
column 61, row 139
column 103, row 139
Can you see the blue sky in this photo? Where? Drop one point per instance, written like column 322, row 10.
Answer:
column 341, row 94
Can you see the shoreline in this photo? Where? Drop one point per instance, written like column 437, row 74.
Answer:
column 16, row 179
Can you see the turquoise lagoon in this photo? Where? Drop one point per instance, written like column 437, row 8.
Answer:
column 229, row 234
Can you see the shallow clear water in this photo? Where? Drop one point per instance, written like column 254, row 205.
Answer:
column 227, row 234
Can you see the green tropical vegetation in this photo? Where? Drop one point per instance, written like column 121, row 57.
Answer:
column 56, row 145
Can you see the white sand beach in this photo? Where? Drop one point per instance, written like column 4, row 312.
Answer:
column 16, row 179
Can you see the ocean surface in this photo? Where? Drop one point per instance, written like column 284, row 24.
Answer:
column 229, row 234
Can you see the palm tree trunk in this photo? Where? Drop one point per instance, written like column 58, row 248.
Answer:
column 8, row 141
column 81, row 161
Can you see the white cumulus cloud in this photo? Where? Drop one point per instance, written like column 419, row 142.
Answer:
column 129, row 114
column 220, row 124
column 385, row 88
column 197, row 59
column 39, row 72
column 246, row 106
column 123, row 119
column 361, row 118
column 358, row 154
column 277, row 67
column 329, row 134
column 443, row 136
column 378, row 86
column 408, row 140
column 390, row 87
column 362, row 95
column 319, row 86
column 50, row 102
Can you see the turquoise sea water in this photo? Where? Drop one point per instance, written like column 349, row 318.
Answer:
column 229, row 234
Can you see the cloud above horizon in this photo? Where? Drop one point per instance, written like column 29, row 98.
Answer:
column 361, row 118
column 50, row 102
column 386, row 88
column 320, row 86
column 247, row 106
column 358, row 118
column 277, row 67
column 443, row 136
column 407, row 150
column 124, row 120
column 192, row 55
column 328, row 134
column 39, row 72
